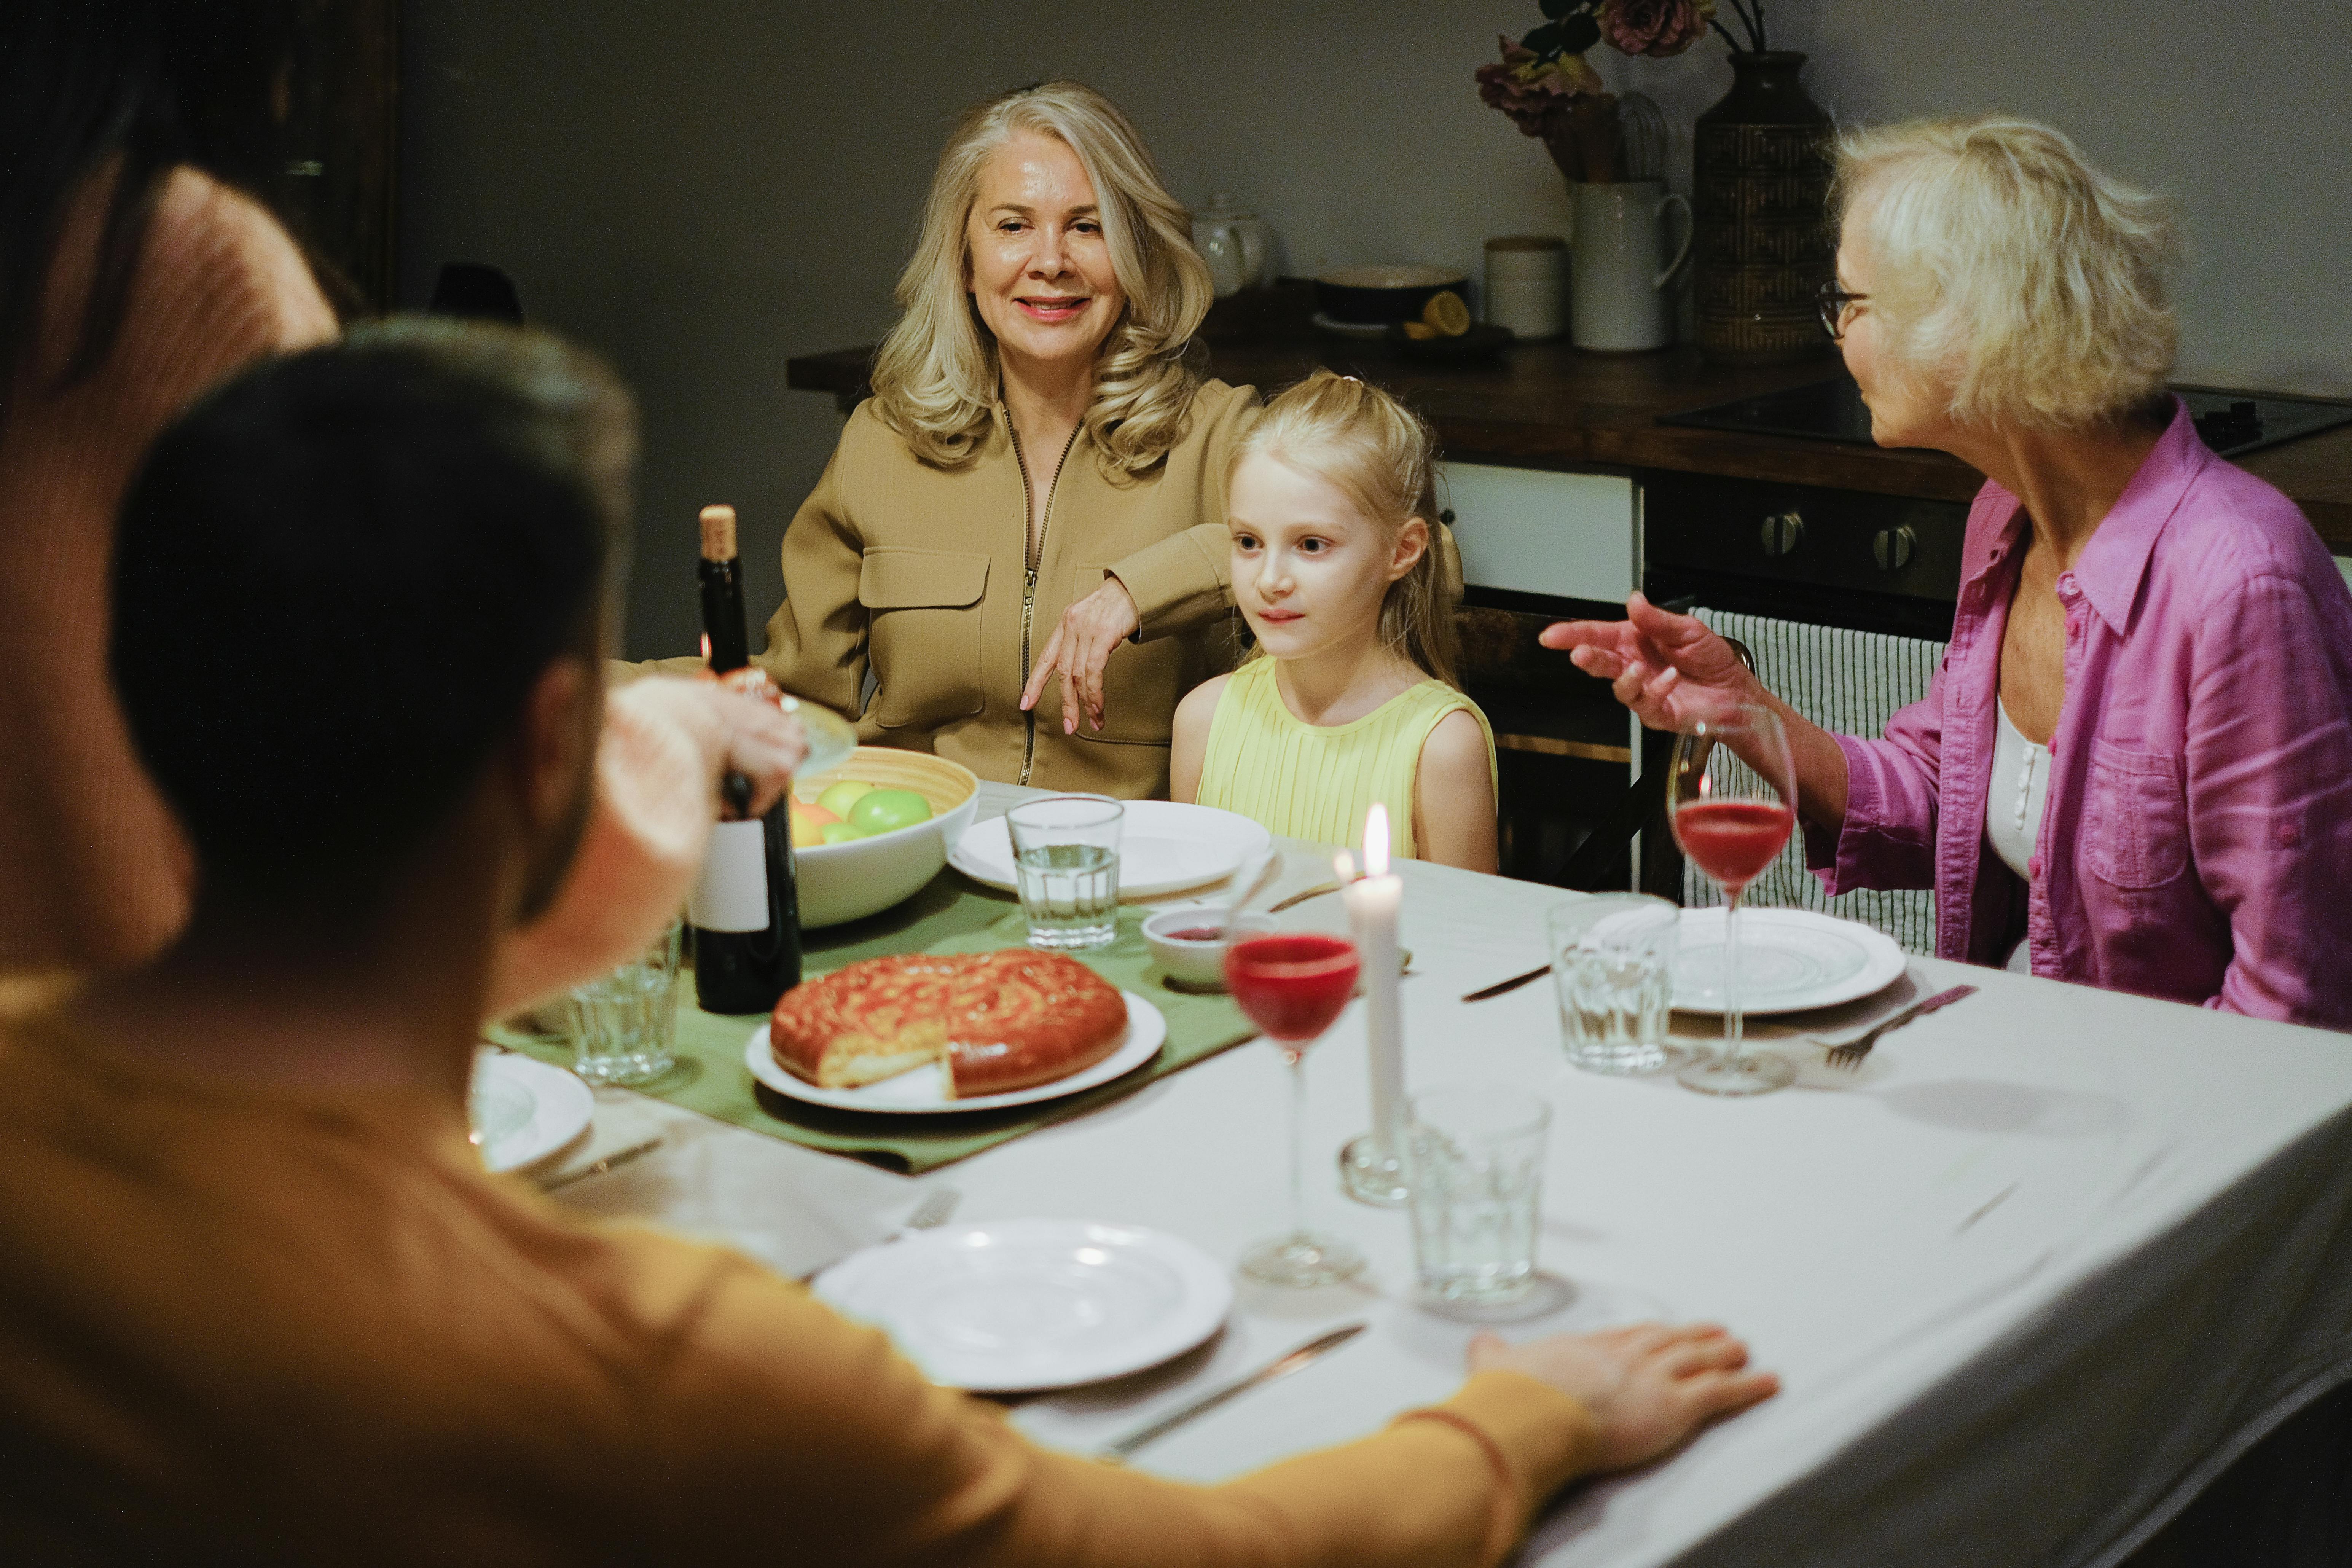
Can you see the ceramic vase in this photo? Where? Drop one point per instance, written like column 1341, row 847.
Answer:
column 1761, row 191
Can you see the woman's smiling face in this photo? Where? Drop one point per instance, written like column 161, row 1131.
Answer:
column 1040, row 268
column 1309, row 570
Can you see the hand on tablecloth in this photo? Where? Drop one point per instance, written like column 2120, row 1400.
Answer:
column 1649, row 1386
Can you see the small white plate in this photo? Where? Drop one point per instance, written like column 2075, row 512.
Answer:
column 1790, row 960
column 1034, row 1303
column 1163, row 849
column 523, row 1110
column 924, row 1090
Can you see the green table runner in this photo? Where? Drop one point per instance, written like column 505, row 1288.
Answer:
column 949, row 915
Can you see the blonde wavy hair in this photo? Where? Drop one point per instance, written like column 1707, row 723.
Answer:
column 2003, row 263
column 1382, row 457
column 935, row 376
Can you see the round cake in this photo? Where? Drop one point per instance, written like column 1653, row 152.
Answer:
column 999, row 1021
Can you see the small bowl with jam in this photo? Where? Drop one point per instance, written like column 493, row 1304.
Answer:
column 1189, row 943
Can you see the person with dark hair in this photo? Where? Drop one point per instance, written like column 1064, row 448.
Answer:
column 139, row 266
column 264, row 1305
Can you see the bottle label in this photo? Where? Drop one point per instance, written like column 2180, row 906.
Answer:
column 732, row 892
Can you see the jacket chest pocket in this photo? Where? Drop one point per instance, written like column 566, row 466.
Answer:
column 922, row 612
column 2135, row 817
column 1141, row 683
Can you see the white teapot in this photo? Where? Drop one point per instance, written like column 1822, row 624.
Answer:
column 1234, row 243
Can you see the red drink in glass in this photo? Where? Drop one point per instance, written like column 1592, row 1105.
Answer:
column 1734, row 840
column 1292, row 987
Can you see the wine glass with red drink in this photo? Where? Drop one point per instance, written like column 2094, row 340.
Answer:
column 1292, row 987
column 1731, row 797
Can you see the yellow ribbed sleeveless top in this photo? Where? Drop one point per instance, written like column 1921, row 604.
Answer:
column 1314, row 782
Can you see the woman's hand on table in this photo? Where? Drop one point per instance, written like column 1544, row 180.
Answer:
column 1079, row 648
column 1649, row 1386
column 1668, row 668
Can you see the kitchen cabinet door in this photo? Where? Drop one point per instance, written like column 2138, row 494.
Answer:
column 1530, row 530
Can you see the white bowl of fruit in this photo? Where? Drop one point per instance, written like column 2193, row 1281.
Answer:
column 871, row 832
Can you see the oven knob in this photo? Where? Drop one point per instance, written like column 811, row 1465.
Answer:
column 1892, row 548
column 1782, row 533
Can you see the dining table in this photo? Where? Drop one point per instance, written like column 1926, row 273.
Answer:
column 2032, row 1275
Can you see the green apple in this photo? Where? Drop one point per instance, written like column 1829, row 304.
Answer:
column 881, row 810
column 839, row 797
column 841, row 832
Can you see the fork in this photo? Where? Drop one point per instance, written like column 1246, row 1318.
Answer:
column 1849, row 1055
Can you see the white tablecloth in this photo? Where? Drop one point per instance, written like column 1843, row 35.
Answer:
column 2030, row 1277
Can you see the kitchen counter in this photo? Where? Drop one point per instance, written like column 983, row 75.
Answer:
column 1549, row 406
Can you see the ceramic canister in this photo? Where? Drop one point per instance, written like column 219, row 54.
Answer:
column 1527, row 284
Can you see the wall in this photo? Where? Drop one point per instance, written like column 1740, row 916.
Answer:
column 702, row 190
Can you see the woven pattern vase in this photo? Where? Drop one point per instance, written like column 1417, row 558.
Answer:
column 1761, row 192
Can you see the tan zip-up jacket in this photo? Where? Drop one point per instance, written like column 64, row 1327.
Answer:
column 921, row 573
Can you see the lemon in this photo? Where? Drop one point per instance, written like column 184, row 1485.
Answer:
column 1447, row 313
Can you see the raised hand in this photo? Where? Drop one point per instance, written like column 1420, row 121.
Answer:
column 1668, row 668
column 1649, row 1386
column 1081, row 646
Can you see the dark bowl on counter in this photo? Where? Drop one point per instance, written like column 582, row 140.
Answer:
column 1374, row 296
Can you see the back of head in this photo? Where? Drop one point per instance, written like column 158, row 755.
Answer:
column 1382, row 457
column 935, row 374
column 2004, row 265
column 337, row 580
column 151, row 83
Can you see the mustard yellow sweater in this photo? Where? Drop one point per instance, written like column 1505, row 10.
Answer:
column 308, row 1328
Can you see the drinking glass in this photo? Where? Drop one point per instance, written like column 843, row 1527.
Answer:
column 1477, row 1174
column 1066, row 859
column 1731, row 797
column 1292, row 987
column 623, row 1027
column 1613, row 963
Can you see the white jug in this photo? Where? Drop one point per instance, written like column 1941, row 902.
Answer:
column 1618, row 300
column 1233, row 242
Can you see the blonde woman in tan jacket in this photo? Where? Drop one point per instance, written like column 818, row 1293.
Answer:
column 1035, row 487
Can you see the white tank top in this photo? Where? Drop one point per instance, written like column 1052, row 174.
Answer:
column 2021, row 788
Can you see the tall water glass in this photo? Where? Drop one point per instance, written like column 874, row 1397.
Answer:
column 1476, row 1161
column 623, row 1027
column 1065, row 861
column 1612, row 964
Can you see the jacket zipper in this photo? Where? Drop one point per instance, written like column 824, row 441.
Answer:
column 1032, row 556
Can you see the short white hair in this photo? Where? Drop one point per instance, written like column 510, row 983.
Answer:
column 2004, row 265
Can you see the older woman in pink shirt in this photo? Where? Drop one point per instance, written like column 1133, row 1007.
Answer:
column 2135, row 767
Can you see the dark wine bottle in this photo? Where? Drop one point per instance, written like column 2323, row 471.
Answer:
column 746, row 908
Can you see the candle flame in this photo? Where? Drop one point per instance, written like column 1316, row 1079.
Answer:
column 706, row 648
column 1376, row 841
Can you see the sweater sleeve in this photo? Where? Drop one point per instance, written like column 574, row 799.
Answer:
column 816, row 639
column 657, row 763
column 777, row 1397
column 1186, row 578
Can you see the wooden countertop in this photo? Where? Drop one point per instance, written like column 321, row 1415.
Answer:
column 1547, row 404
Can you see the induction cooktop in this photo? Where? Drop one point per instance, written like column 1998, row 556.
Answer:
column 2232, row 423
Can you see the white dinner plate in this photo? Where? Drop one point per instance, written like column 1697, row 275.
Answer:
column 523, row 1110
column 1163, row 849
column 1034, row 1303
column 1790, row 960
column 924, row 1090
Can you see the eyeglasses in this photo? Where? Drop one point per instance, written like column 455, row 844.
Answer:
column 1834, row 303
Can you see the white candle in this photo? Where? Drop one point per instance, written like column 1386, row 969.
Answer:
column 1372, row 902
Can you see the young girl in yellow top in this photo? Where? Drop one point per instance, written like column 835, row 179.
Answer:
column 1349, row 697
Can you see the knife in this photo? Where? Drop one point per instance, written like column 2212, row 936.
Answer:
column 1279, row 1368
column 1513, row 983
column 1281, row 904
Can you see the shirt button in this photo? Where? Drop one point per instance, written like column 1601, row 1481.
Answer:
column 2067, row 586
column 2289, row 835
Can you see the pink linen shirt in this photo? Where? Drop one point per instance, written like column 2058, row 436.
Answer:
column 2198, row 839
